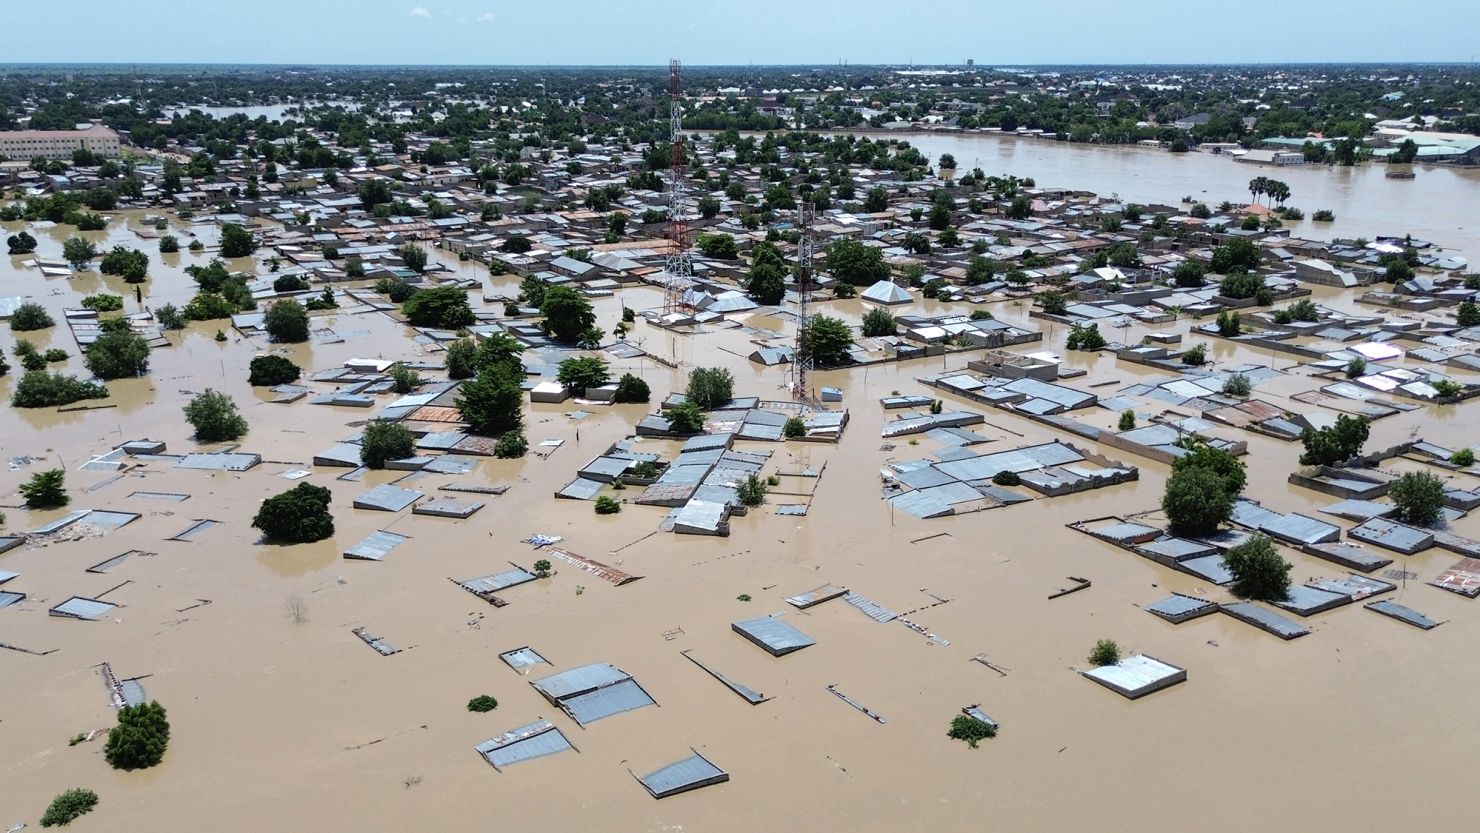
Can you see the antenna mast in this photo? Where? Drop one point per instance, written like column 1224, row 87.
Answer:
column 801, row 360
column 680, row 268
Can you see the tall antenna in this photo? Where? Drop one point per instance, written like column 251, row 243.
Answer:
column 680, row 268
column 802, row 361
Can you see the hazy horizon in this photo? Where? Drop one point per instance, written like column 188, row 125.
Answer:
column 569, row 33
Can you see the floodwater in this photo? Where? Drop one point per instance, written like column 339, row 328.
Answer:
column 287, row 724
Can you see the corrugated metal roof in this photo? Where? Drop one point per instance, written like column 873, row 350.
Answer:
column 606, row 701
column 535, row 740
column 580, row 489
column 691, row 773
column 1301, row 529
column 1137, row 675
column 219, row 461
column 521, row 658
column 8, row 598
column 375, row 546
column 1402, row 614
column 1265, row 619
column 498, row 581
column 387, row 498
column 80, row 607
column 776, row 636
column 580, row 679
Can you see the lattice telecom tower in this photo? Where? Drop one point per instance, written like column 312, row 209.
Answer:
column 802, row 361
column 680, row 268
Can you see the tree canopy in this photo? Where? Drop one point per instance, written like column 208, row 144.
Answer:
column 298, row 516
column 568, row 315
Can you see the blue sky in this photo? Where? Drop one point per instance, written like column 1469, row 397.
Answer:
column 993, row 32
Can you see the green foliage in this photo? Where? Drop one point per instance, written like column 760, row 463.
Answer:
column 973, row 731
column 169, row 244
column 482, row 703
column 851, row 261
column 511, row 445
column 461, row 360
column 77, row 252
column 542, row 567
column 581, row 373
column 169, row 317
column 794, row 428
column 298, row 516
column 1230, row 323
column 1197, row 356
column 752, row 492
column 1323, row 215
column 103, row 302
column 395, row 289
column 140, row 738
column 272, row 370
column 385, row 441
column 1241, row 286
column 45, row 490
column 1419, row 497
column 30, row 316
column 766, row 280
column 443, row 308
column 828, row 339
column 1054, row 303
column 215, row 418
column 1259, row 572
column 415, row 257
column 1228, row 467
column 1464, row 458
column 1446, row 388
column 1007, row 477
column 289, row 283
column 644, row 470
column 1237, row 385
column 236, row 241
column 710, row 387
column 1235, row 254
column 568, row 315
column 68, row 806
column 286, row 322
column 1189, row 274
column 1334, row 443
column 1468, row 314
column 404, row 379
column 979, row 270
column 117, row 354
column 21, row 243
column 208, row 306
column 500, row 350
column 844, row 291
column 607, row 505
column 130, row 264
column 1085, row 337
column 492, row 403
column 1196, row 501
column 1127, row 419
column 1356, row 367
column 1303, row 310
column 878, row 322
column 39, row 389
column 1105, row 652
column 720, row 246
column 685, row 418
column 632, row 389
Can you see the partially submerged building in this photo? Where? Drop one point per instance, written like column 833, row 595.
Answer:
column 592, row 692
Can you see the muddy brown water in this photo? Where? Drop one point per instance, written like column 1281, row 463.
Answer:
column 287, row 724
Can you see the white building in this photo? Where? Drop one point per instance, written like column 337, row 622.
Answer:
column 59, row 144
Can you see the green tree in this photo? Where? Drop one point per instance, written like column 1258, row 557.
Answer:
column 973, row 731
column 979, row 270
column 1468, row 314
column 581, row 373
column 384, row 441
column 876, row 201
column 828, row 339
column 1237, row 385
column 794, row 428
column 1054, row 303
column 298, row 516
column 286, row 322
column 1259, row 572
column 39, row 389
column 45, row 490
column 568, row 315
column 214, row 417
column 117, row 354
column 443, row 308
column 510, row 445
column 1334, row 443
column 1197, row 453
column 1236, row 253
column 482, row 703
column 498, row 349
column 1021, row 208
column 30, row 316
column 710, row 387
column 272, row 370
column 858, row 264
column 1419, row 497
column 1188, row 274
column 607, row 505
column 375, row 192
column 767, row 277
column 492, row 403
column 130, row 264
column 631, row 389
column 1464, row 458
column 1241, row 285
column 21, row 243
column 1127, row 419
column 878, row 322
column 461, row 359
column 685, row 418
column 236, row 241
column 1105, row 652
column 140, row 738
column 1196, row 501
column 77, row 252
column 752, row 492
column 720, row 246
column 415, row 257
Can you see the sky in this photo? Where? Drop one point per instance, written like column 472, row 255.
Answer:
column 698, row 32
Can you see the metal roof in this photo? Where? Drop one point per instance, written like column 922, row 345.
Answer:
column 1137, row 675
column 1301, row 529
column 535, row 740
column 774, row 635
column 580, row 489
column 1402, row 614
column 498, row 581
column 81, row 607
column 387, row 498
column 1265, row 619
column 521, row 658
column 219, row 461
column 8, row 598
column 691, row 773
column 580, row 680
column 606, row 701
column 1178, row 608
column 816, row 596
column 1393, row 536
column 375, row 546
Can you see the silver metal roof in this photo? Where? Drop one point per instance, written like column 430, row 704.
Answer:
column 776, row 636
column 691, row 773
column 580, row 489
column 606, row 701
column 1301, row 529
column 535, row 740
column 375, row 546
column 498, row 581
column 387, row 498
column 219, row 461
column 1265, row 619
column 580, row 680
column 1402, row 614
column 79, row 607
column 521, row 658
column 8, row 598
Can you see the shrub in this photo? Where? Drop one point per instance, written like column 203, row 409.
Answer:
column 1085, row 337
column 632, row 389
column 298, row 516
column 1196, row 357
column 1127, row 419
column 844, row 291
column 39, row 389
column 395, row 289
column 1323, row 215
column 1464, row 458
column 606, row 505
column 482, row 703
column 289, row 283
column 511, row 445
column 1446, row 388
column 208, row 306
column 967, row 728
column 1237, row 385
column 214, row 417
column 68, row 806
column 1240, row 285
column 462, row 359
column 30, row 316
column 980, row 315
column 1105, row 652
column 140, row 738
column 384, row 441
column 644, row 469
column 1259, row 572
column 45, row 490
column 272, row 370
column 1007, row 477
column 878, row 322
column 444, row 308
column 169, row 317
column 1468, row 314
column 580, row 373
column 404, row 379
column 1356, row 367
column 685, row 418
column 1195, row 501
column 1230, row 324
column 1334, row 443
column 169, row 244
column 542, row 567
column 130, row 264
column 1419, row 497
column 795, row 427
column 752, row 492
column 103, row 302
column 710, row 387
column 117, row 354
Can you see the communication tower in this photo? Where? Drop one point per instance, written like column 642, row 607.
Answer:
column 802, row 361
column 680, row 268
